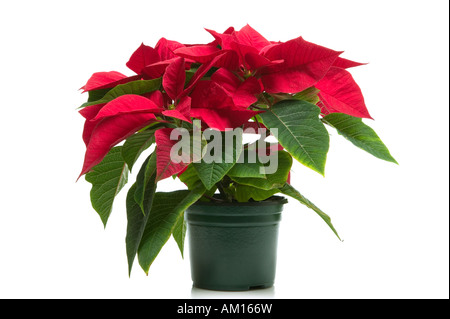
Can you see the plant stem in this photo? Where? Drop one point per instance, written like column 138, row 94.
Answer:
column 258, row 108
column 266, row 100
column 257, row 122
column 223, row 192
column 213, row 199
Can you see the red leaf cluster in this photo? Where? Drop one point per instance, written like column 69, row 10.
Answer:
column 230, row 76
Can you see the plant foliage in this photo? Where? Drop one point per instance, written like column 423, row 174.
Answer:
column 182, row 100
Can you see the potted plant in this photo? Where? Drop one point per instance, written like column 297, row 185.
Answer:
column 197, row 104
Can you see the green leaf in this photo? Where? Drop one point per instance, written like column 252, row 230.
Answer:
column 179, row 233
column 95, row 95
column 135, row 227
column 272, row 181
column 300, row 131
column 136, row 221
column 192, row 181
column 135, row 87
column 145, row 178
column 211, row 173
column 190, row 177
column 248, row 166
column 189, row 74
column 243, row 193
column 136, row 144
column 139, row 203
column 107, row 179
column 309, row 95
column 288, row 190
column 166, row 210
column 360, row 134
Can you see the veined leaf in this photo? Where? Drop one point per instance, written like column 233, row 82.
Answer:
column 360, row 134
column 107, row 179
column 166, row 210
column 96, row 95
column 300, row 131
column 191, row 180
column 136, row 144
column 309, row 95
column 248, row 166
column 145, row 177
column 190, row 177
column 272, row 181
column 243, row 193
column 288, row 190
column 136, row 222
column 211, row 173
column 139, row 203
column 179, row 233
column 135, row 87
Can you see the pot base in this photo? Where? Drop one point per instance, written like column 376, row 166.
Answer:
column 232, row 288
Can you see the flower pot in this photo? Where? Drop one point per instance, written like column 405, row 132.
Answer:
column 233, row 246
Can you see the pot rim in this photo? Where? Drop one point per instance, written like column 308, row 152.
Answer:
column 273, row 200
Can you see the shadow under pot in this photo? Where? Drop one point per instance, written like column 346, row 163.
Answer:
column 233, row 246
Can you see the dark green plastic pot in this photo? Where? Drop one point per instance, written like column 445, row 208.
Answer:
column 233, row 246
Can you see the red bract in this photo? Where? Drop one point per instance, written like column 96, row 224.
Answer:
column 182, row 110
column 206, row 53
column 128, row 103
column 143, row 56
column 246, row 43
column 199, row 53
column 234, row 45
column 249, row 36
column 214, row 105
column 339, row 93
column 152, row 62
column 209, row 94
column 145, row 61
column 109, row 132
column 304, row 64
column 283, row 67
column 230, row 50
column 156, row 69
column 110, row 123
column 106, row 80
column 223, row 119
column 242, row 93
column 242, row 67
column 202, row 70
column 174, row 78
column 166, row 47
column 346, row 64
column 165, row 167
column 89, row 113
column 157, row 98
column 257, row 62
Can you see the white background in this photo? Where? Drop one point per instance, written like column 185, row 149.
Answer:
column 394, row 220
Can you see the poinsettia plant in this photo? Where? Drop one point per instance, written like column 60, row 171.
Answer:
column 290, row 91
